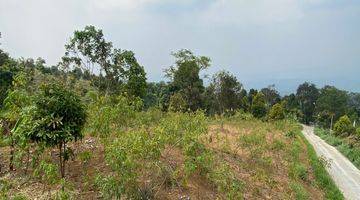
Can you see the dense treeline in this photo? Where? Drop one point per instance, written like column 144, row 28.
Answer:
column 92, row 63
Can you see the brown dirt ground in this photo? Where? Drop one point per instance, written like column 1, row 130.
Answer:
column 270, row 181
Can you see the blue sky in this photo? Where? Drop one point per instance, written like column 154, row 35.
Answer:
column 262, row 42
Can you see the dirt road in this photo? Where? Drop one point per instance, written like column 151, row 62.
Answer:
column 343, row 172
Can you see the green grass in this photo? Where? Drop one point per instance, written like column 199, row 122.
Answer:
column 300, row 192
column 352, row 152
column 321, row 175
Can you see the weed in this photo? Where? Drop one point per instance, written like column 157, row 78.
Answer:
column 291, row 134
column 277, row 145
column 300, row 192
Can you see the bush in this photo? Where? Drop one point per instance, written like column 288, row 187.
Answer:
column 258, row 107
column 177, row 103
column 343, row 126
column 277, row 112
column 56, row 118
column 357, row 133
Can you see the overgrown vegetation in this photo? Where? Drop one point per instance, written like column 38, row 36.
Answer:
column 92, row 127
column 349, row 146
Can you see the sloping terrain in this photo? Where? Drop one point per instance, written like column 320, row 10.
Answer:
column 184, row 156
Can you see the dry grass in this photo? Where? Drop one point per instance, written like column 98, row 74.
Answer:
column 257, row 153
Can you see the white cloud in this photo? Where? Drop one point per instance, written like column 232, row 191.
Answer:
column 125, row 5
column 255, row 12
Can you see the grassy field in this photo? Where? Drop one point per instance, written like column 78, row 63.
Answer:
column 178, row 156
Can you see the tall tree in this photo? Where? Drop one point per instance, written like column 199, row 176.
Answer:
column 332, row 101
column 185, row 77
column 133, row 74
column 117, row 69
column 354, row 103
column 307, row 95
column 271, row 95
column 251, row 95
column 227, row 91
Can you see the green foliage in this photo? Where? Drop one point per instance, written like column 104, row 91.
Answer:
column 107, row 113
column 299, row 190
column 258, row 108
column 299, row 171
column 5, row 84
column 125, row 155
column 357, row 133
column 88, row 48
column 85, row 156
column 47, row 172
column 343, row 126
column 59, row 116
column 5, row 186
column 333, row 101
column 19, row 197
column 291, row 134
column 352, row 152
column 241, row 115
column 271, row 96
column 157, row 95
column 185, row 77
column 177, row 103
column 134, row 74
column 256, row 143
column 307, row 94
column 226, row 182
column 224, row 93
column 276, row 112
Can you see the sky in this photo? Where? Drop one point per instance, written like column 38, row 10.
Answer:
column 262, row 42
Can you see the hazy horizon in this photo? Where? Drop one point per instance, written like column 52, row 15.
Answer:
column 281, row 42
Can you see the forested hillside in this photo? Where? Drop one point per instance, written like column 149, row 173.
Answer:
column 93, row 127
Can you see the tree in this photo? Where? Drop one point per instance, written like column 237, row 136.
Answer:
column 251, row 95
column 185, row 77
column 7, row 72
column 157, row 95
column 58, row 117
column 354, row 103
column 258, row 107
column 16, row 100
column 307, row 95
column 343, row 126
column 291, row 102
column 227, row 91
column 271, row 95
column 332, row 101
column 277, row 112
column 89, row 51
column 133, row 75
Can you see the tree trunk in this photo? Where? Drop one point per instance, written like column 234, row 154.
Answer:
column 11, row 163
column 64, row 161
column 60, row 159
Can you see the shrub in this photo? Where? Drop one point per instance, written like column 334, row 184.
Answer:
column 177, row 103
column 357, row 133
column 107, row 113
column 343, row 126
column 277, row 112
column 258, row 107
column 57, row 117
